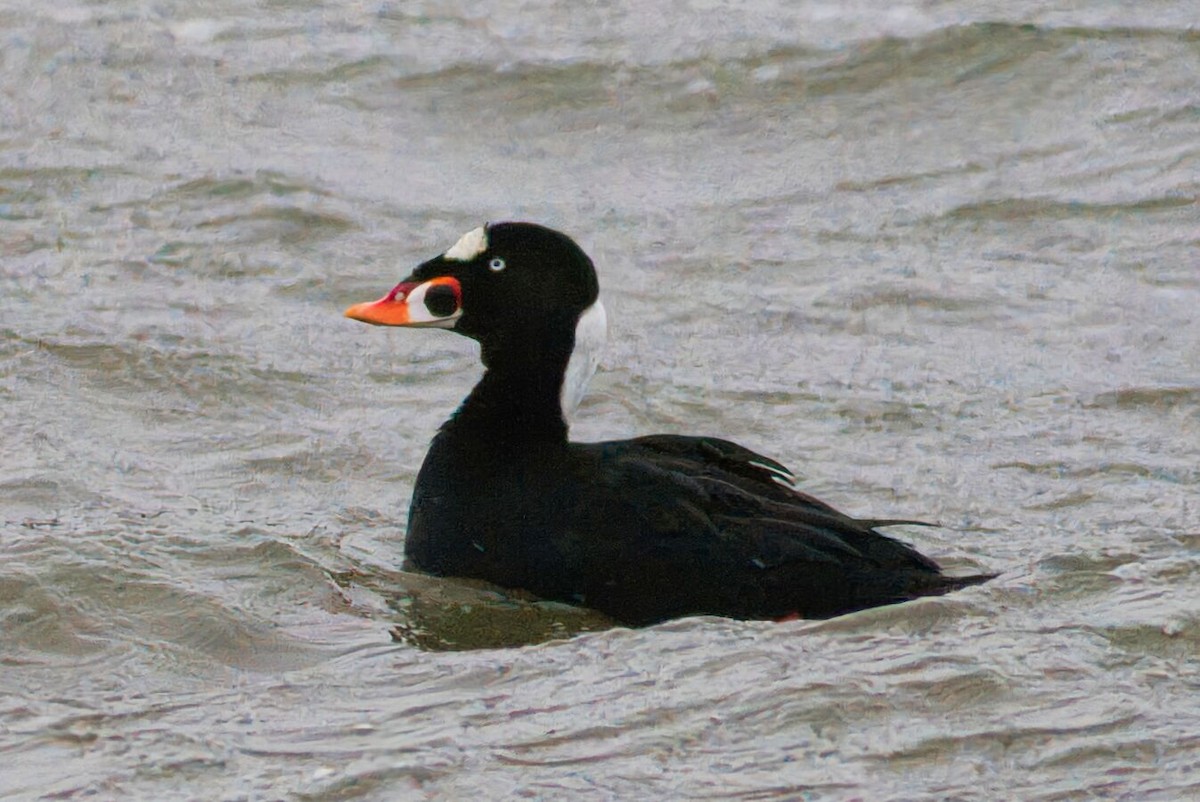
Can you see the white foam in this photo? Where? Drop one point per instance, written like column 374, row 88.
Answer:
column 470, row 245
column 591, row 333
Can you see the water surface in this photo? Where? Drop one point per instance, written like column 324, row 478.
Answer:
column 943, row 261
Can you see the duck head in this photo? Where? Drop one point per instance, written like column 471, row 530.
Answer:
column 523, row 291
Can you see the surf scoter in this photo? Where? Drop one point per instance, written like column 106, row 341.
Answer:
column 643, row 530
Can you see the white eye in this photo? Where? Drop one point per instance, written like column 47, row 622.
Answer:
column 496, row 265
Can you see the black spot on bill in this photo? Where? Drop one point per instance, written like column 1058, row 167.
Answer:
column 441, row 301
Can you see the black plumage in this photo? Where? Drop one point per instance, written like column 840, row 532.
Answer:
column 643, row 530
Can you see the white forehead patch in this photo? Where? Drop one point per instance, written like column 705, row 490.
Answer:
column 473, row 243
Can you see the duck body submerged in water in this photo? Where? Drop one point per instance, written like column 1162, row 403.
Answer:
column 643, row 530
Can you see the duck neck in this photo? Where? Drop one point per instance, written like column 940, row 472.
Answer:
column 517, row 402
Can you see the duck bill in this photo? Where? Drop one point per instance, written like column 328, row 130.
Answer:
column 437, row 302
column 387, row 311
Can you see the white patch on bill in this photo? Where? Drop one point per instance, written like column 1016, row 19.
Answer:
column 473, row 243
column 591, row 333
column 419, row 314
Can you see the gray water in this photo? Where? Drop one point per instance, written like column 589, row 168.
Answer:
column 943, row 260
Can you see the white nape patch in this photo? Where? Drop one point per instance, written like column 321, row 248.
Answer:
column 470, row 245
column 591, row 333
